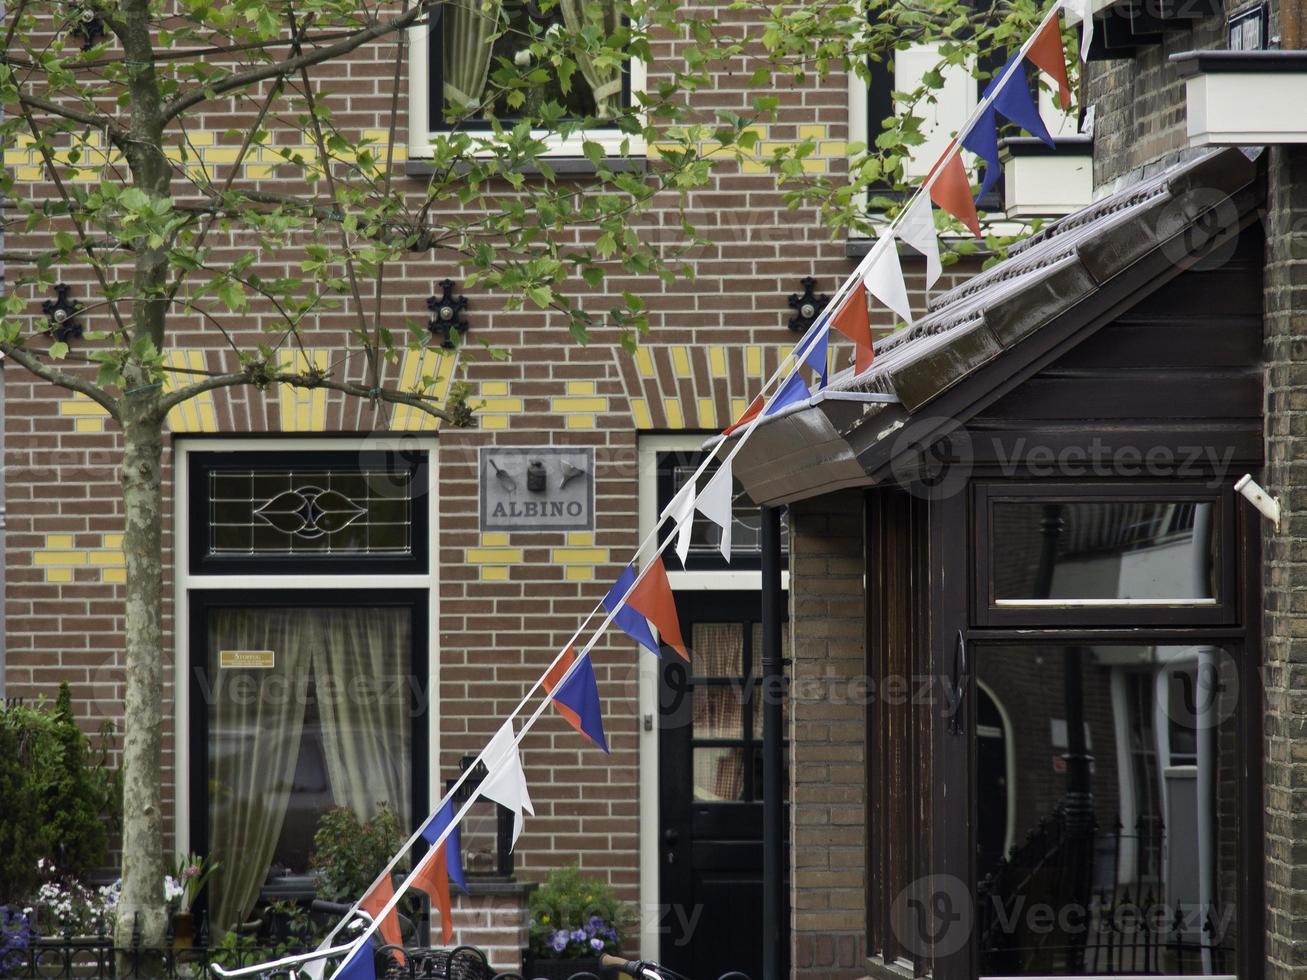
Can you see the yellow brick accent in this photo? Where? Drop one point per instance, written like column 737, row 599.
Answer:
column 707, row 413
column 564, row 406
column 60, row 575
column 58, row 540
column 494, row 387
column 717, row 361
column 490, row 556
column 108, row 558
column 579, row 573
column 812, row 131
column 113, row 541
column 753, row 167
column 581, row 539
column 303, row 409
column 738, row 406
column 114, row 576
column 432, row 362
column 579, row 556
column 753, row 361
column 260, row 171
column 79, row 404
column 493, row 421
column 640, row 409
column 195, row 414
column 681, row 361
column 644, row 362
column 675, row 419
column 59, row 557
column 88, row 425
column 580, row 423
column 494, row 573
column 29, row 174
column 494, row 539
column 581, row 388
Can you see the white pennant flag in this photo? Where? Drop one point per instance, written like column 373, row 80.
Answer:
column 1083, row 10
column 884, row 280
column 681, row 511
column 715, row 504
column 505, row 782
column 917, row 228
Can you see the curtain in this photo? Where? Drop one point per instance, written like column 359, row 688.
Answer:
column 468, row 29
column 605, row 80
column 256, row 720
column 361, row 666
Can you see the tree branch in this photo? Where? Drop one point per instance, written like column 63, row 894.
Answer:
column 280, row 69
column 62, row 378
column 76, row 115
column 297, row 380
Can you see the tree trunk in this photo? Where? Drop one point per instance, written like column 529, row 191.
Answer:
column 143, row 866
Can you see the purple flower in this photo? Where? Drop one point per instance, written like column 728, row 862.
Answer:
column 578, row 936
column 558, row 940
column 597, row 943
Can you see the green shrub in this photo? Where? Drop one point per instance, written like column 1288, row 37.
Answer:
column 60, row 802
column 349, row 854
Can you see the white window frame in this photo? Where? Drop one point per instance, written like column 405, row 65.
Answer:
column 420, row 133
column 185, row 583
column 680, row 581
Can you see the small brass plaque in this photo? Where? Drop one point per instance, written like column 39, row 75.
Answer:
column 262, row 659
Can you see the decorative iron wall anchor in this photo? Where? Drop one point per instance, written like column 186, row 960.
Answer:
column 63, row 315
column 448, row 315
column 806, row 305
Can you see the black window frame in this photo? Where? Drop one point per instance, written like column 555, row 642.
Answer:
column 666, row 461
column 436, row 90
column 1225, row 611
column 200, row 463
column 201, row 601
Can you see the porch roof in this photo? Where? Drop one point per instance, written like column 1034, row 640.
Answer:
column 981, row 339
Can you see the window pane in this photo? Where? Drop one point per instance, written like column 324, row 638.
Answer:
column 310, row 709
column 1104, row 551
column 719, row 774
column 718, row 649
column 718, row 711
column 746, row 533
column 1106, row 794
column 310, row 512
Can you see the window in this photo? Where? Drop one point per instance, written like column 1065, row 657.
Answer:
column 1126, row 806
column 454, row 61
column 674, row 468
column 310, row 708
column 322, row 513
column 1130, row 555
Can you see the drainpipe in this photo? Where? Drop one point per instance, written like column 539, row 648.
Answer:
column 773, row 766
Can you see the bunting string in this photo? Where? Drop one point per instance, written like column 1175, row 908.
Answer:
column 642, row 594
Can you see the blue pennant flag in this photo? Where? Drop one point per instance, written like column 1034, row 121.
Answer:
column 794, row 390
column 627, row 619
column 579, row 694
column 453, row 843
column 1016, row 104
column 359, row 966
column 816, row 356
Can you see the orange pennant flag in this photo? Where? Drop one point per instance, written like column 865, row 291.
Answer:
column 1047, row 54
column 432, row 877
column 376, row 900
column 852, row 321
column 952, row 191
column 551, row 680
column 652, row 599
column 754, row 408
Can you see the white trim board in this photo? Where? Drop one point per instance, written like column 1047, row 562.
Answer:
column 184, row 582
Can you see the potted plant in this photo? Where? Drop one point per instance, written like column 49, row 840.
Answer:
column 181, row 889
column 574, row 921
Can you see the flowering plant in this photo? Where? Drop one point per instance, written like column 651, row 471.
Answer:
column 16, row 936
column 574, row 917
column 64, row 904
column 188, row 878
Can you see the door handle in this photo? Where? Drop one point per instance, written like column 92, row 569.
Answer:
column 960, row 684
column 672, row 837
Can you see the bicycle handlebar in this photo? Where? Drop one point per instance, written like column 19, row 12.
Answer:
column 639, row 969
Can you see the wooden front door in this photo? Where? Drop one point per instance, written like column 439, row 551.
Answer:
column 710, row 811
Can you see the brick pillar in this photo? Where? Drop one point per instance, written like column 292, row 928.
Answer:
column 1285, row 565
column 494, row 919
column 828, row 771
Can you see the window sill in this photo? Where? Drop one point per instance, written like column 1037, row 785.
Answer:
column 879, row 969
column 561, row 166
